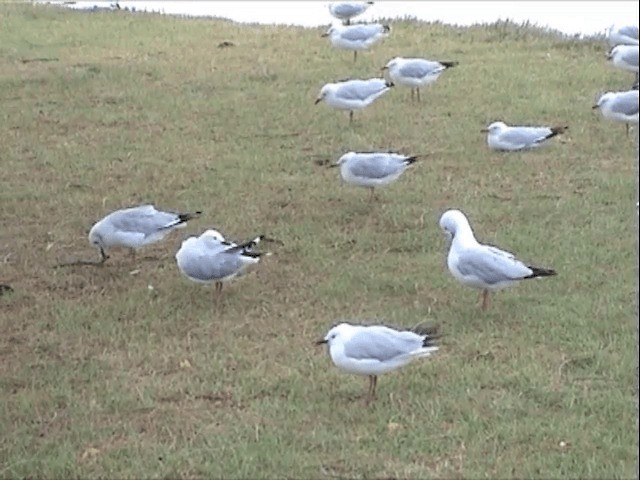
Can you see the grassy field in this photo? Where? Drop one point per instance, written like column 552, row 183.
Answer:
column 101, row 376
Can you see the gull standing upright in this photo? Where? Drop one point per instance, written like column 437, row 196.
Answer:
column 624, row 57
column 135, row 227
column 353, row 94
column 210, row 259
column 356, row 37
column 415, row 72
column 502, row 137
column 482, row 266
column 619, row 107
column 374, row 169
column 625, row 35
column 376, row 349
column 345, row 11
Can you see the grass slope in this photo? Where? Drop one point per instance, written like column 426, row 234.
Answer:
column 103, row 377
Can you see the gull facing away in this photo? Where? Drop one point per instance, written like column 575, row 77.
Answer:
column 415, row 72
column 211, row 259
column 502, row 137
column 619, row 107
column 375, row 169
column 482, row 266
column 345, row 11
column 625, row 35
column 377, row 349
column 353, row 94
column 135, row 227
column 356, row 37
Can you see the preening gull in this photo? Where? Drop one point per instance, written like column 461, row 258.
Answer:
column 211, row 259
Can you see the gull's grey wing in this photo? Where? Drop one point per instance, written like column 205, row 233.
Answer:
column 381, row 343
column 209, row 266
column 491, row 265
column 420, row 68
column 524, row 135
column 361, row 89
column 375, row 165
column 630, row 56
column 361, row 33
column 145, row 219
column 626, row 103
column 629, row 31
column 346, row 9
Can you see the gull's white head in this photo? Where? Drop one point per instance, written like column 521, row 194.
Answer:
column 324, row 91
column 393, row 63
column 95, row 237
column 494, row 128
column 213, row 234
column 343, row 159
column 604, row 98
column 452, row 221
column 336, row 334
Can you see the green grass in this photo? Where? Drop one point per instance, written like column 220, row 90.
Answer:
column 103, row 377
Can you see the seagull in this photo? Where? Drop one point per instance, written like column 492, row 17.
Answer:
column 415, row 72
column 482, row 266
column 356, row 37
column 345, row 11
column 505, row 138
column 135, row 227
column 626, row 35
column 619, row 107
column 353, row 94
column 376, row 349
column 374, row 169
column 625, row 57
column 211, row 259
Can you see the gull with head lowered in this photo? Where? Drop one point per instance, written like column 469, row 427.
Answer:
column 135, row 227
column 484, row 267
